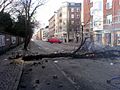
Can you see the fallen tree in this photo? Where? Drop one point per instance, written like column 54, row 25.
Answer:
column 106, row 54
column 94, row 54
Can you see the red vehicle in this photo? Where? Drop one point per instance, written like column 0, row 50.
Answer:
column 54, row 40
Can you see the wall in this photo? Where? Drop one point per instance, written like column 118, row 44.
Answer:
column 9, row 41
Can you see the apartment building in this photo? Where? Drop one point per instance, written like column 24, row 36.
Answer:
column 39, row 34
column 93, row 20
column 111, row 22
column 42, row 34
column 102, row 21
column 45, row 33
column 86, row 17
column 68, row 22
column 52, row 26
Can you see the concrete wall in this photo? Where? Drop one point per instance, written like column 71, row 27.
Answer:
column 9, row 41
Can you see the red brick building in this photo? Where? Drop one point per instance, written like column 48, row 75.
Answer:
column 109, row 31
column 111, row 22
column 86, row 17
column 93, row 20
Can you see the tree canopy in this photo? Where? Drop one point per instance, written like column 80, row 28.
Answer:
column 5, row 22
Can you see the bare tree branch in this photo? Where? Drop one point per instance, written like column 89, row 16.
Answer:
column 33, row 12
column 82, row 43
column 5, row 4
column 30, row 7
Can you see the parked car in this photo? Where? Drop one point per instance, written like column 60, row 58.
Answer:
column 54, row 40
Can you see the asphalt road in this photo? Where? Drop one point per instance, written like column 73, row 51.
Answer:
column 91, row 74
column 68, row 73
column 55, row 47
column 45, row 75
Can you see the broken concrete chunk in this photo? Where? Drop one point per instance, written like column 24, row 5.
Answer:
column 46, row 60
column 60, row 85
column 30, row 69
column 37, row 81
column 43, row 67
column 48, row 83
column 55, row 77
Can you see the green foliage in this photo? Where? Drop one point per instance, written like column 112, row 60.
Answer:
column 15, row 28
column 5, row 22
column 19, row 27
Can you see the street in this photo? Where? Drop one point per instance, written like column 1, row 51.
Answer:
column 59, row 44
column 68, row 73
column 51, row 48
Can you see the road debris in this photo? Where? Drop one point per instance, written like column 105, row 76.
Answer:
column 55, row 61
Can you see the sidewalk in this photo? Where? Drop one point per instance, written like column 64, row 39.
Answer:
column 9, row 73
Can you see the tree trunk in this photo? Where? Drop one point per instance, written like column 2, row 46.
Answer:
column 27, row 40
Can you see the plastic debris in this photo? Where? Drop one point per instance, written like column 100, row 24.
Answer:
column 56, row 61
column 111, row 63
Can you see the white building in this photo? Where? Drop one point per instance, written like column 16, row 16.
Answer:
column 45, row 33
column 68, row 22
column 96, row 20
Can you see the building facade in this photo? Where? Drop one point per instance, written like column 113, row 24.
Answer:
column 51, row 26
column 74, row 21
column 61, row 23
column 45, row 33
column 93, row 20
column 102, row 18
column 39, row 34
column 68, row 22
column 86, row 17
column 111, row 22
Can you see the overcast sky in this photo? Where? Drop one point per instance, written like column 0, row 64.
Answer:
column 46, row 11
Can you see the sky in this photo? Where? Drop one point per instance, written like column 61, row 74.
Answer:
column 46, row 11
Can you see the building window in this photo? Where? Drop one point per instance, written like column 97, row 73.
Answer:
column 60, row 27
column 118, row 35
column 91, row 1
column 72, row 22
column 64, row 30
column 109, row 4
column 87, row 30
column 60, row 14
column 116, row 19
column 91, row 11
column 72, row 3
column 86, row 34
column 60, row 20
column 95, row 23
column 77, row 16
column 72, row 9
column 109, row 19
column 78, row 9
column 91, row 24
column 77, row 29
column 72, row 29
column 72, row 15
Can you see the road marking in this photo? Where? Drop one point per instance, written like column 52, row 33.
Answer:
column 68, row 78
